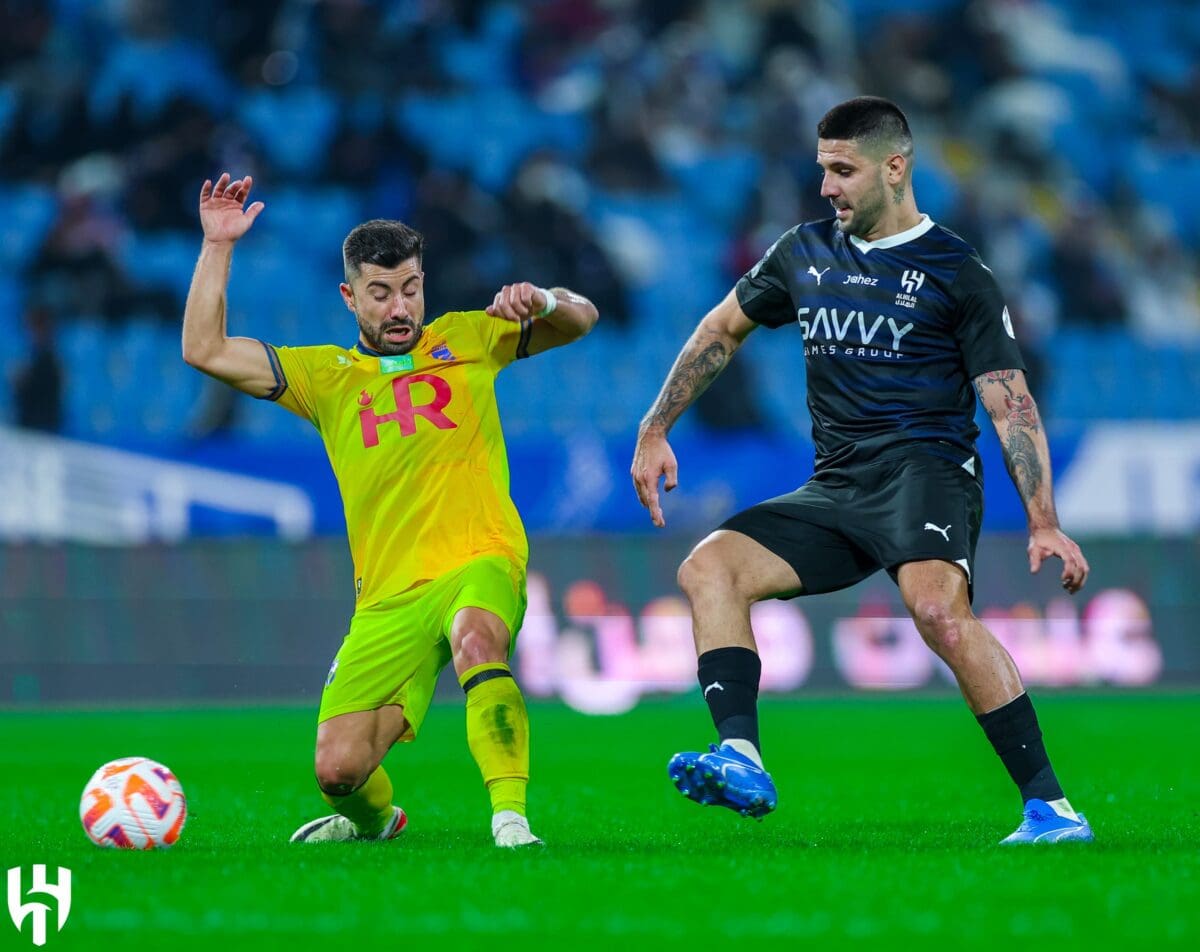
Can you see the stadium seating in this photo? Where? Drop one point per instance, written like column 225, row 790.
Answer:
column 485, row 109
column 27, row 212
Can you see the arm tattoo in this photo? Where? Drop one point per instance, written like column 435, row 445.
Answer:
column 1001, row 376
column 695, row 369
column 1016, row 425
column 1021, row 458
column 1020, row 409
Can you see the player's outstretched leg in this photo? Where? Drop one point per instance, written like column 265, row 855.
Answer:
column 498, row 736
column 732, row 774
column 723, row 577
column 363, row 814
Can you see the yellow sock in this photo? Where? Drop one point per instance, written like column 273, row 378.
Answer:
column 370, row 806
column 507, row 794
column 498, row 733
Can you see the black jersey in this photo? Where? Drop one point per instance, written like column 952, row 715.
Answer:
column 894, row 330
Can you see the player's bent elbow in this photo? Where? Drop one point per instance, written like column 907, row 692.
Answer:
column 199, row 358
column 192, row 357
column 207, row 360
column 590, row 316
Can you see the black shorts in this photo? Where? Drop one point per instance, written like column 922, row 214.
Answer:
column 845, row 524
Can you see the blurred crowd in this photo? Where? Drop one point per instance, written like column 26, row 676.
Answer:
column 1059, row 137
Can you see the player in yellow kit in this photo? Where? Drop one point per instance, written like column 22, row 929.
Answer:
column 409, row 420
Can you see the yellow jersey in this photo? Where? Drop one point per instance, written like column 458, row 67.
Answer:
column 416, row 446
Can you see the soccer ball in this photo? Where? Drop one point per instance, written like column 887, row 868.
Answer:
column 133, row 804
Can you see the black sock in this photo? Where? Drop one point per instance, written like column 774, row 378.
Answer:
column 1014, row 733
column 729, row 680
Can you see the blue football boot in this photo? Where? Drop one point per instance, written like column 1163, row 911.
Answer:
column 726, row 778
column 1043, row 825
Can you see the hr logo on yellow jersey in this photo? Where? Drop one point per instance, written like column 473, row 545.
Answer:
column 407, row 410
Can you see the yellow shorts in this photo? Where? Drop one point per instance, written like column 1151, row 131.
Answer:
column 396, row 649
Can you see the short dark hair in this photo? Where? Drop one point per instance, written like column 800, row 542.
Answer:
column 876, row 123
column 383, row 242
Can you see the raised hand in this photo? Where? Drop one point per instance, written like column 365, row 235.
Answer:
column 653, row 459
column 223, row 215
column 517, row 302
column 1044, row 543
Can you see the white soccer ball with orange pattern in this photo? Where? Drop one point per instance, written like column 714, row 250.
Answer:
column 133, row 804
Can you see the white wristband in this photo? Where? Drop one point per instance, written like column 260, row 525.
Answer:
column 551, row 303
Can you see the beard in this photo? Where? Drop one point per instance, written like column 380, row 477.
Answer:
column 376, row 338
column 867, row 212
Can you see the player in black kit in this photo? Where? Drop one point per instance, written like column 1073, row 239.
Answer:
column 903, row 327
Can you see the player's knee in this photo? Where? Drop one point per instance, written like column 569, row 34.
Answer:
column 939, row 625
column 479, row 646
column 341, row 771
column 702, row 573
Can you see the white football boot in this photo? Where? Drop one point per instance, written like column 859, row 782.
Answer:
column 337, row 828
column 510, row 829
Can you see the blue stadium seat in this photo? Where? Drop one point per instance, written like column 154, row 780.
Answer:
column 485, row 60
column 178, row 397
column 27, row 213
column 484, row 118
column 12, row 307
column 1166, row 388
column 1170, row 375
column 488, row 131
column 293, row 126
column 1068, row 397
column 86, row 340
column 719, row 183
column 1112, row 374
column 667, row 296
column 313, row 221
column 1185, row 199
column 935, row 186
column 1155, row 43
column 272, row 287
column 84, row 349
column 865, row 12
column 14, row 345
column 264, row 420
column 150, row 73
column 1085, row 149
column 776, row 362
column 160, row 259
column 8, row 107
column 134, row 379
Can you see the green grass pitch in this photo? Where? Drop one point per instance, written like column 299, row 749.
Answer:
column 885, row 835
